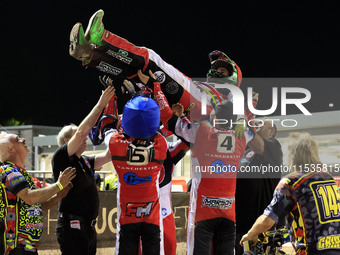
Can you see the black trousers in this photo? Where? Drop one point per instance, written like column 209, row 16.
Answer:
column 216, row 236
column 74, row 241
column 131, row 234
column 21, row 251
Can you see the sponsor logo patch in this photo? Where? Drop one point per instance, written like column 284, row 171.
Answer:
column 121, row 55
column 34, row 226
column 133, row 179
column 34, row 211
column 139, row 209
column 218, row 202
column 172, row 87
column 17, row 180
column 164, row 212
column 328, row 242
column 105, row 67
column 160, row 76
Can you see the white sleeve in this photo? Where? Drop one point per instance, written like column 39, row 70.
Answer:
column 108, row 135
column 230, row 97
column 186, row 130
column 249, row 135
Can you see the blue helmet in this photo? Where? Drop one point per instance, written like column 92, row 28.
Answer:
column 141, row 117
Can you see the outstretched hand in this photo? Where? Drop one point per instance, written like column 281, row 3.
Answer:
column 240, row 128
column 144, row 78
column 107, row 94
column 67, row 176
column 250, row 238
column 128, row 88
column 178, row 109
column 106, row 81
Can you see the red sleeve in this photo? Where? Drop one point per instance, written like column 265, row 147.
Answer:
column 161, row 147
column 166, row 112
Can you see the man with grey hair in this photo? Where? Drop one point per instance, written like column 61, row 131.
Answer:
column 79, row 209
column 21, row 203
column 65, row 134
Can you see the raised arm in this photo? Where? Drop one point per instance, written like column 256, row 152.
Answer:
column 257, row 144
column 265, row 131
column 89, row 121
column 102, row 158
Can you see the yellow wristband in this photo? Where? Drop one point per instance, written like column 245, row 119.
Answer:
column 61, row 187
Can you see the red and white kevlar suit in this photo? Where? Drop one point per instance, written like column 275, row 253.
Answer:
column 122, row 59
column 138, row 208
column 215, row 158
column 176, row 151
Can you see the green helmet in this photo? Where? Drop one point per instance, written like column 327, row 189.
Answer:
column 220, row 59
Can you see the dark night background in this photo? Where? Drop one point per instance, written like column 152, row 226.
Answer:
column 41, row 84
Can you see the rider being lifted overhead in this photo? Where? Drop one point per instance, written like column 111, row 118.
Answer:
column 107, row 52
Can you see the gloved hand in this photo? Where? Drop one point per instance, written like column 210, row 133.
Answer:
column 240, row 128
column 147, row 80
column 106, row 81
column 128, row 88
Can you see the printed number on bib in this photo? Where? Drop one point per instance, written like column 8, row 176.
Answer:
column 327, row 198
column 140, row 155
column 225, row 143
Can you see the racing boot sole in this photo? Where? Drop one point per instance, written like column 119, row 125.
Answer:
column 79, row 48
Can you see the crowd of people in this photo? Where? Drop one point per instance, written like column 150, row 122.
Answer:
column 223, row 204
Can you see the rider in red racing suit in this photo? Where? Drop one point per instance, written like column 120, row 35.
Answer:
column 176, row 151
column 109, row 53
column 216, row 153
column 138, row 162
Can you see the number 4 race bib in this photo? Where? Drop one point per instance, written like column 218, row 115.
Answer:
column 225, row 143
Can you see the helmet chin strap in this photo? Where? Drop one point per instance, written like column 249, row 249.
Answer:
column 215, row 76
column 213, row 73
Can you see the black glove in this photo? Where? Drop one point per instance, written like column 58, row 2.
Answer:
column 105, row 81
